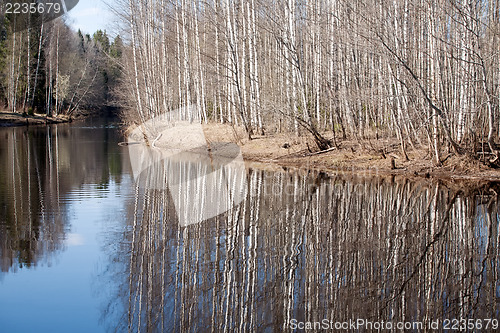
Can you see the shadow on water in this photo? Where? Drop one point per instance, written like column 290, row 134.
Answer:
column 300, row 247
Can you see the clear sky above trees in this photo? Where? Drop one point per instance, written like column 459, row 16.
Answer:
column 90, row 16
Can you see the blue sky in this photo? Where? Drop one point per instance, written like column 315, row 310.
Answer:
column 91, row 15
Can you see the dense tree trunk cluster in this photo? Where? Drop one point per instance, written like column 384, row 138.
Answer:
column 424, row 72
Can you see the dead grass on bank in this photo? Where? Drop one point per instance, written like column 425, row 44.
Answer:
column 364, row 157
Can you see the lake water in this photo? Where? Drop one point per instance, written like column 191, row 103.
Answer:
column 84, row 247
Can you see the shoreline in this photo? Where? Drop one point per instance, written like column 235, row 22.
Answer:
column 285, row 151
column 11, row 119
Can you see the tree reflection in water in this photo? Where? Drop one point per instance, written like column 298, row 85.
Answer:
column 39, row 167
column 308, row 247
column 29, row 229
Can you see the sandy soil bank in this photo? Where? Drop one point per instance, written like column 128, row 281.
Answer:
column 366, row 158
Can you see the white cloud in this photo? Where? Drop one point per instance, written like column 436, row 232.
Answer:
column 74, row 240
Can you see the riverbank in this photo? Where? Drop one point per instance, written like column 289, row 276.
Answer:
column 8, row 119
column 369, row 157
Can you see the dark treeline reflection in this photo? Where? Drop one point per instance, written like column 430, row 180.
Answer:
column 39, row 166
column 308, row 247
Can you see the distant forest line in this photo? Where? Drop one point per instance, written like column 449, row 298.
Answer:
column 51, row 69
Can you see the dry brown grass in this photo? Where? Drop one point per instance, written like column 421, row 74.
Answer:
column 371, row 157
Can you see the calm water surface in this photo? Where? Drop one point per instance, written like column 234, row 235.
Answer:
column 84, row 248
